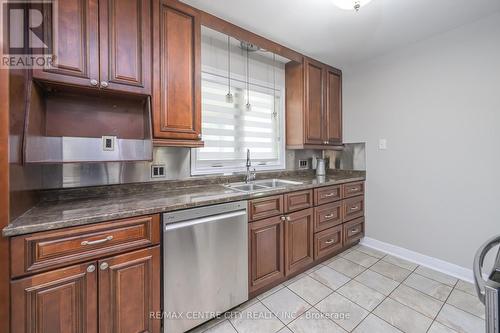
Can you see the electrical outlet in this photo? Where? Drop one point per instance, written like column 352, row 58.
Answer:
column 158, row 171
column 303, row 164
column 108, row 143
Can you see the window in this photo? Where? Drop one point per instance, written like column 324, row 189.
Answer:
column 229, row 129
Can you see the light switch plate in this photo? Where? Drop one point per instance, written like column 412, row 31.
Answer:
column 382, row 144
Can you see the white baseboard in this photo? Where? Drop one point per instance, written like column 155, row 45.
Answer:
column 421, row 259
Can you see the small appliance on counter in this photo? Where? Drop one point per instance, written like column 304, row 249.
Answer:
column 489, row 291
column 320, row 167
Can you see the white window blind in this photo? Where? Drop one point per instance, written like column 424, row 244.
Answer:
column 229, row 129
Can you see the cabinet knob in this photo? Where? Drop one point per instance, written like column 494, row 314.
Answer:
column 283, row 218
column 104, row 84
column 288, row 218
column 91, row 268
column 93, row 82
column 199, row 136
column 103, row 266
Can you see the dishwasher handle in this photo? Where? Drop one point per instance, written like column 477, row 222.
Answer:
column 478, row 266
column 207, row 219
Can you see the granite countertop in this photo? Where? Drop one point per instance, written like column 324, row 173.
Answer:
column 60, row 212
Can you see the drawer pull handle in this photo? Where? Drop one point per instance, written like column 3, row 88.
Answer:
column 330, row 241
column 354, row 189
column 329, row 216
column 329, row 195
column 99, row 241
column 354, row 208
column 355, row 230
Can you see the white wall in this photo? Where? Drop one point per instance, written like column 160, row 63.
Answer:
column 436, row 189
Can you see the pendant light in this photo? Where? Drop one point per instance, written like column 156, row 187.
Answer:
column 229, row 96
column 275, row 113
column 248, row 105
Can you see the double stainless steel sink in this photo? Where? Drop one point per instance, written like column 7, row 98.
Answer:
column 262, row 185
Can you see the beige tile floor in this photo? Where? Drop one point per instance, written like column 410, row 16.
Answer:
column 363, row 291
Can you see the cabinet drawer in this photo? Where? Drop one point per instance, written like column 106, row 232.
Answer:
column 353, row 230
column 265, row 207
column 327, row 216
column 298, row 200
column 327, row 194
column 327, row 242
column 353, row 208
column 50, row 249
column 353, row 189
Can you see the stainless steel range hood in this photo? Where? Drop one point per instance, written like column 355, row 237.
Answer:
column 68, row 126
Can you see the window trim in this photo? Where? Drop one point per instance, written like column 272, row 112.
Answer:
column 219, row 76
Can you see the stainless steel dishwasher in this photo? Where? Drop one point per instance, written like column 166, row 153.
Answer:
column 205, row 258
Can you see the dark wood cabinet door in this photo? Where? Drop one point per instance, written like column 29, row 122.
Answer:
column 314, row 126
column 129, row 290
column 266, row 252
column 333, row 106
column 75, row 45
column 60, row 301
column 125, row 45
column 177, row 91
column 299, row 244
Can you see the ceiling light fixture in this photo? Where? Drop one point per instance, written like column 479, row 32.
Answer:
column 351, row 4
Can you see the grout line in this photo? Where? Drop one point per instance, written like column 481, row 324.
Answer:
column 441, row 309
column 437, row 299
column 332, row 291
column 230, row 323
column 281, row 321
column 386, row 297
column 455, row 288
column 437, row 280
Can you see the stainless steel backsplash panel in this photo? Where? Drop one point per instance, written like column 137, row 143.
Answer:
column 352, row 157
column 176, row 161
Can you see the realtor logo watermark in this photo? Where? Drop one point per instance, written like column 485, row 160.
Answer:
column 28, row 33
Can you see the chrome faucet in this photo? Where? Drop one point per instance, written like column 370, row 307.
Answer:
column 250, row 176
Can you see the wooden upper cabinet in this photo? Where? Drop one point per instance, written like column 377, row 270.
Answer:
column 125, row 45
column 177, row 75
column 76, row 44
column 314, row 111
column 60, row 301
column 313, row 105
column 333, row 106
column 101, row 44
column 129, row 291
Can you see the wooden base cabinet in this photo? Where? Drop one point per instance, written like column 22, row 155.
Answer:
column 305, row 227
column 129, row 291
column 116, row 295
column 266, row 255
column 60, row 301
column 299, row 245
